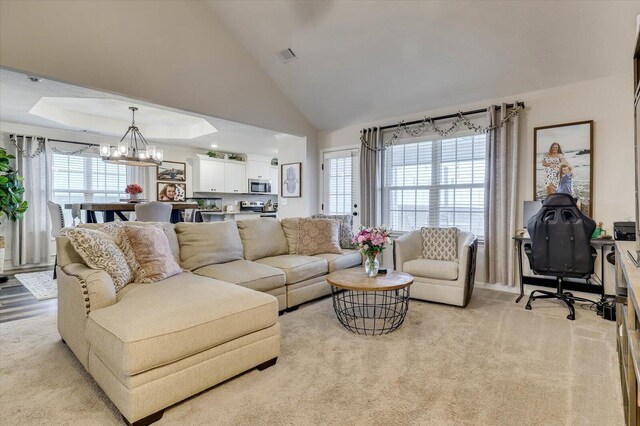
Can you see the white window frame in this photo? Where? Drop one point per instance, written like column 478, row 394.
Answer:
column 87, row 193
column 434, row 188
column 346, row 152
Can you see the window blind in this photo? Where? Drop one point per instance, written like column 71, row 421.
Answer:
column 435, row 183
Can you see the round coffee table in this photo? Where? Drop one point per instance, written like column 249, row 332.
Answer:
column 370, row 306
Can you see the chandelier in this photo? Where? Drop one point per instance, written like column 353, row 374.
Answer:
column 134, row 151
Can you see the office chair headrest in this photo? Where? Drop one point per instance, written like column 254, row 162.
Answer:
column 559, row 200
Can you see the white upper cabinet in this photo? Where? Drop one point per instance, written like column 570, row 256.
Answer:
column 209, row 175
column 275, row 181
column 258, row 167
column 235, row 177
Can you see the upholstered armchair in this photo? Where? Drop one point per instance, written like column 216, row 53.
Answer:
column 442, row 281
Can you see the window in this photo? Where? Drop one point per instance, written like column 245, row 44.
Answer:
column 339, row 181
column 435, row 183
column 85, row 178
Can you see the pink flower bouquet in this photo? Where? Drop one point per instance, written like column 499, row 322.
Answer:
column 371, row 242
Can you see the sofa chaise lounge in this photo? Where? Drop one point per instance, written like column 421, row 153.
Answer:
column 149, row 346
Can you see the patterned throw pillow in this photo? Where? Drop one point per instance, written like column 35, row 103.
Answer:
column 99, row 251
column 317, row 236
column 440, row 244
column 346, row 228
column 152, row 253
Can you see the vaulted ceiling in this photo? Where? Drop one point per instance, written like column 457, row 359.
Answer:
column 366, row 60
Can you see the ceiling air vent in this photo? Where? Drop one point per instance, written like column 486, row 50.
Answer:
column 288, row 55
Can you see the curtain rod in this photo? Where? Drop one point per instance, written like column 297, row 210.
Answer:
column 444, row 117
column 13, row 135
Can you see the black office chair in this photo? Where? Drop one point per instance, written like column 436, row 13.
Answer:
column 560, row 246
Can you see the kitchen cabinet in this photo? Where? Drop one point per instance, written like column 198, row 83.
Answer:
column 275, row 181
column 209, row 175
column 235, row 177
column 258, row 169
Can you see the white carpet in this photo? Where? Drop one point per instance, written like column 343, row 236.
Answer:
column 493, row 363
column 40, row 284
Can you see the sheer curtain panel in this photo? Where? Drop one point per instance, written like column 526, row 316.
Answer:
column 370, row 176
column 31, row 239
column 500, row 197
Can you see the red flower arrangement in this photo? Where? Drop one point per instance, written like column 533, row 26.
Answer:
column 133, row 189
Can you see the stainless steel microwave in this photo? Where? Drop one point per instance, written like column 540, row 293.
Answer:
column 259, row 186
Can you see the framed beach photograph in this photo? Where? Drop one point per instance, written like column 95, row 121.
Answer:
column 172, row 171
column 172, row 192
column 563, row 162
column 291, row 180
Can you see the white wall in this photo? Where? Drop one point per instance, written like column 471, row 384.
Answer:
column 608, row 101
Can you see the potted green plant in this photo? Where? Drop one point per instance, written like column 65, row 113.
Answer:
column 11, row 190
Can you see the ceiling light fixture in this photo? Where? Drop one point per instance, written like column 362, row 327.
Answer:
column 214, row 145
column 134, row 152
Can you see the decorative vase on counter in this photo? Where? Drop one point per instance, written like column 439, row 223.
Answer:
column 133, row 197
column 371, row 265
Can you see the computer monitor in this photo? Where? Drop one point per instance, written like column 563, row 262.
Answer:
column 530, row 209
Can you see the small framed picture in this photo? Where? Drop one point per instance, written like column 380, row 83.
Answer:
column 563, row 156
column 172, row 192
column 172, row 171
column 291, row 181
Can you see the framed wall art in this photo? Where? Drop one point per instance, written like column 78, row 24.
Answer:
column 563, row 162
column 171, row 191
column 291, row 180
column 172, row 171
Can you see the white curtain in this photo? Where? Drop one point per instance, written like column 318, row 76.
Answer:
column 145, row 177
column 31, row 236
column 500, row 197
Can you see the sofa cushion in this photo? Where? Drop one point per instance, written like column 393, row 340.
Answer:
column 346, row 228
column 317, row 236
column 152, row 254
column 153, row 325
column 290, row 228
column 168, row 228
column 429, row 268
column 248, row 274
column 348, row 259
column 297, row 268
column 203, row 244
column 262, row 237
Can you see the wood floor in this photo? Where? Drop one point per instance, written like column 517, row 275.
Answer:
column 16, row 302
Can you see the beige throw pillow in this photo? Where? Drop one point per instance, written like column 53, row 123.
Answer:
column 100, row 251
column 346, row 228
column 316, row 236
column 203, row 244
column 440, row 244
column 152, row 253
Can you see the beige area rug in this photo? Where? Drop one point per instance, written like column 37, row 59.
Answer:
column 40, row 284
column 493, row 363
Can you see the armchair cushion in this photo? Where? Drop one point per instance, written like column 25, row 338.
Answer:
column 429, row 268
column 440, row 243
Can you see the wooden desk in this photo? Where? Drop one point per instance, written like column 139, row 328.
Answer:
column 598, row 243
column 111, row 210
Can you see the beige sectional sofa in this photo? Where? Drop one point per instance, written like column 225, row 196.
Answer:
column 152, row 345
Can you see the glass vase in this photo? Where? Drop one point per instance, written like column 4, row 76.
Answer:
column 371, row 265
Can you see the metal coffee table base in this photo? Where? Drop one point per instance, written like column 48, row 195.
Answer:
column 371, row 312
